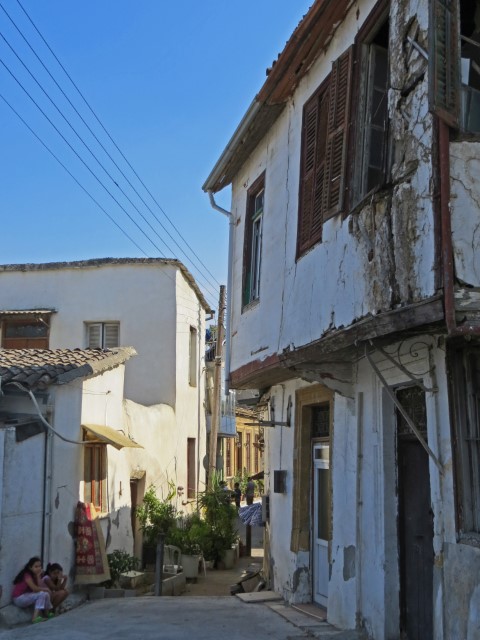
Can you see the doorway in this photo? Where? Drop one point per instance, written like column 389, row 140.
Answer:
column 321, row 522
column 415, row 521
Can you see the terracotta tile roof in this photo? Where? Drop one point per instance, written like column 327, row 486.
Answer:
column 38, row 368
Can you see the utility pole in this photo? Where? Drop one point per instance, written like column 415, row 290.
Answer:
column 217, row 386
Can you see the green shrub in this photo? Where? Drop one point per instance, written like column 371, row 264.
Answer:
column 120, row 562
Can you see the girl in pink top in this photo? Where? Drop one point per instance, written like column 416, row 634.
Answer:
column 28, row 589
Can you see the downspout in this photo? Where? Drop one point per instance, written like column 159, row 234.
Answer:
column 229, row 215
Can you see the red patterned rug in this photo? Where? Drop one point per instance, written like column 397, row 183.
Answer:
column 91, row 564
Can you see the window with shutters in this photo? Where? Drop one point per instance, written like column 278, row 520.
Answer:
column 103, row 335
column 465, row 390
column 191, row 473
column 95, row 476
column 192, row 358
column 454, row 63
column 252, row 248
column 370, row 142
column 323, row 155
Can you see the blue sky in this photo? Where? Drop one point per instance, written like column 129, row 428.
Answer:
column 169, row 81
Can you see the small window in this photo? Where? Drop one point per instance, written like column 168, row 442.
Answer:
column 31, row 333
column 95, row 476
column 371, row 143
column 253, row 241
column 192, row 368
column 465, row 385
column 103, row 335
column 191, row 474
column 454, row 63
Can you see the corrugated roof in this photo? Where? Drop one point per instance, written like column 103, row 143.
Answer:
column 102, row 262
column 26, row 312
column 39, row 368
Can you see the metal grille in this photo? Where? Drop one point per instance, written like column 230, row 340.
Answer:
column 321, row 421
column 413, row 401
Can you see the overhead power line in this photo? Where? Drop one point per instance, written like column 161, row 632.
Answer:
column 110, row 138
column 47, row 148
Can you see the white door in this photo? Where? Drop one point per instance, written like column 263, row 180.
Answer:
column 321, row 521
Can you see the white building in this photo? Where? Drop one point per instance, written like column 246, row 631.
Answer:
column 153, row 305
column 355, row 311
column 84, row 455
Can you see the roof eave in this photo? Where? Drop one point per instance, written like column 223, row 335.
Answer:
column 302, row 49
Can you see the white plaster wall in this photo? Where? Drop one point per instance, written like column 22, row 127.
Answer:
column 377, row 575
column 465, row 210
column 290, row 572
column 22, row 506
column 190, row 405
column 336, row 282
column 141, row 296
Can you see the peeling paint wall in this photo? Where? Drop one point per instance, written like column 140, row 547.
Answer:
column 382, row 254
column 465, row 210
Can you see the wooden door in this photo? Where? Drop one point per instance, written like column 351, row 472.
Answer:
column 415, row 523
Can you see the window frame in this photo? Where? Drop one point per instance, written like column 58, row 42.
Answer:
column 25, row 342
column 361, row 96
column 103, row 328
column 252, row 246
column 96, row 453
column 192, row 356
column 466, row 459
column 191, row 470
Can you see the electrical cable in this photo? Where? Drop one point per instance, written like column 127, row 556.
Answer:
column 78, row 182
column 88, row 148
column 109, row 136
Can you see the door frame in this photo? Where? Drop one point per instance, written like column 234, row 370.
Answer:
column 320, row 463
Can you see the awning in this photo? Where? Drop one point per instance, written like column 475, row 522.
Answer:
column 102, row 433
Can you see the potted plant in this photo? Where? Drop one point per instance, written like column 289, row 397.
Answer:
column 190, row 536
column 156, row 516
column 120, row 563
column 220, row 517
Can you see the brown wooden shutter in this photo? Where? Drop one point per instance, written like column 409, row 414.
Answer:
column 336, row 153
column 444, row 60
column 307, row 175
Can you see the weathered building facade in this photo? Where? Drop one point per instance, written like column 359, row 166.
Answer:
column 355, row 309
column 156, row 305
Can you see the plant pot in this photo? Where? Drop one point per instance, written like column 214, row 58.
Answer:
column 190, row 565
column 228, row 558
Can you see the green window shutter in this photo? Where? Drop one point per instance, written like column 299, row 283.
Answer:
column 444, row 60
column 338, row 118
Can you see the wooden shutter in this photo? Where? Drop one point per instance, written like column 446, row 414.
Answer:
column 111, row 335
column 336, row 153
column 310, row 211
column 444, row 60
column 95, row 336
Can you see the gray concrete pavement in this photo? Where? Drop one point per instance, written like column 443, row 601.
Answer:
column 166, row 618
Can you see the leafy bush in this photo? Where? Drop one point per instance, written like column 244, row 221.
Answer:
column 156, row 515
column 120, row 562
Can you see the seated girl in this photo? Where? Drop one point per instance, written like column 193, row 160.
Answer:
column 56, row 582
column 28, row 589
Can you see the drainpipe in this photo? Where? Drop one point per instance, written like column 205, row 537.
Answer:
column 229, row 215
